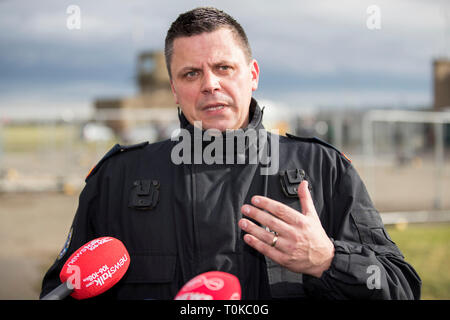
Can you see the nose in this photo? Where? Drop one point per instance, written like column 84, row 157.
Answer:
column 210, row 83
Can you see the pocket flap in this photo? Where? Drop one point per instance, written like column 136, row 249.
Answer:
column 369, row 218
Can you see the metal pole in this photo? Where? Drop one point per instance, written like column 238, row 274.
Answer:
column 337, row 125
column 368, row 152
column 439, row 164
column 1, row 147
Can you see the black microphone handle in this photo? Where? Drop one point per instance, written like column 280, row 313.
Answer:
column 60, row 292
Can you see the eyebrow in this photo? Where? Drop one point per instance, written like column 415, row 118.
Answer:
column 192, row 68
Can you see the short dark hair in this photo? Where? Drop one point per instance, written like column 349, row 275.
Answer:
column 199, row 20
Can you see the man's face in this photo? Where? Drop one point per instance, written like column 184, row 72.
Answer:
column 212, row 81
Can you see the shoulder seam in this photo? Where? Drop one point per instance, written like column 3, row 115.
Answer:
column 116, row 149
column 312, row 139
column 315, row 139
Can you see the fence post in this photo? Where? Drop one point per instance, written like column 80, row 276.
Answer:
column 368, row 151
column 439, row 163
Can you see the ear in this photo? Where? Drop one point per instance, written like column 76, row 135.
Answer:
column 174, row 91
column 254, row 69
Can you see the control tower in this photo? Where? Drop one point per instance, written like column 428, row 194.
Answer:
column 441, row 84
column 154, row 92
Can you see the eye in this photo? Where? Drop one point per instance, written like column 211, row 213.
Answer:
column 191, row 74
column 224, row 68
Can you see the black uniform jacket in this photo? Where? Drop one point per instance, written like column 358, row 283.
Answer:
column 179, row 220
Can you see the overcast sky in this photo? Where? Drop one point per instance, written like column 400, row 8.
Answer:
column 311, row 53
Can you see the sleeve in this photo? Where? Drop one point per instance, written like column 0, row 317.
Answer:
column 367, row 264
column 81, row 231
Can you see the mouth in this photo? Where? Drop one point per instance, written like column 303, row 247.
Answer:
column 214, row 107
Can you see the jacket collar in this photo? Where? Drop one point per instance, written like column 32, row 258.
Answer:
column 255, row 123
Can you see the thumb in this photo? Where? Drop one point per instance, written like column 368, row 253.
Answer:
column 306, row 201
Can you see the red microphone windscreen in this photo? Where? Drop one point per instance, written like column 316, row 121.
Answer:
column 95, row 267
column 213, row 285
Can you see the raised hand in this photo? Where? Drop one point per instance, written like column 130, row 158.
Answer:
column 300, row 243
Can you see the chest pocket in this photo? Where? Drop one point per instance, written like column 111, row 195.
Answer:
column 149, row 277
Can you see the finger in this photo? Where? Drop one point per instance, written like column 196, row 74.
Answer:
column 256, row 231
column 265, row 249
column 260, row 233
column 278, row 209
column 266, row 219
column 306, row 201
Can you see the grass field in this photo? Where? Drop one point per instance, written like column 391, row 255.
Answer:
column 26, row 138
column 31, row 138
column 427, row 249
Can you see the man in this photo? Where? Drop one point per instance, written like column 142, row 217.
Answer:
column 308, row 231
